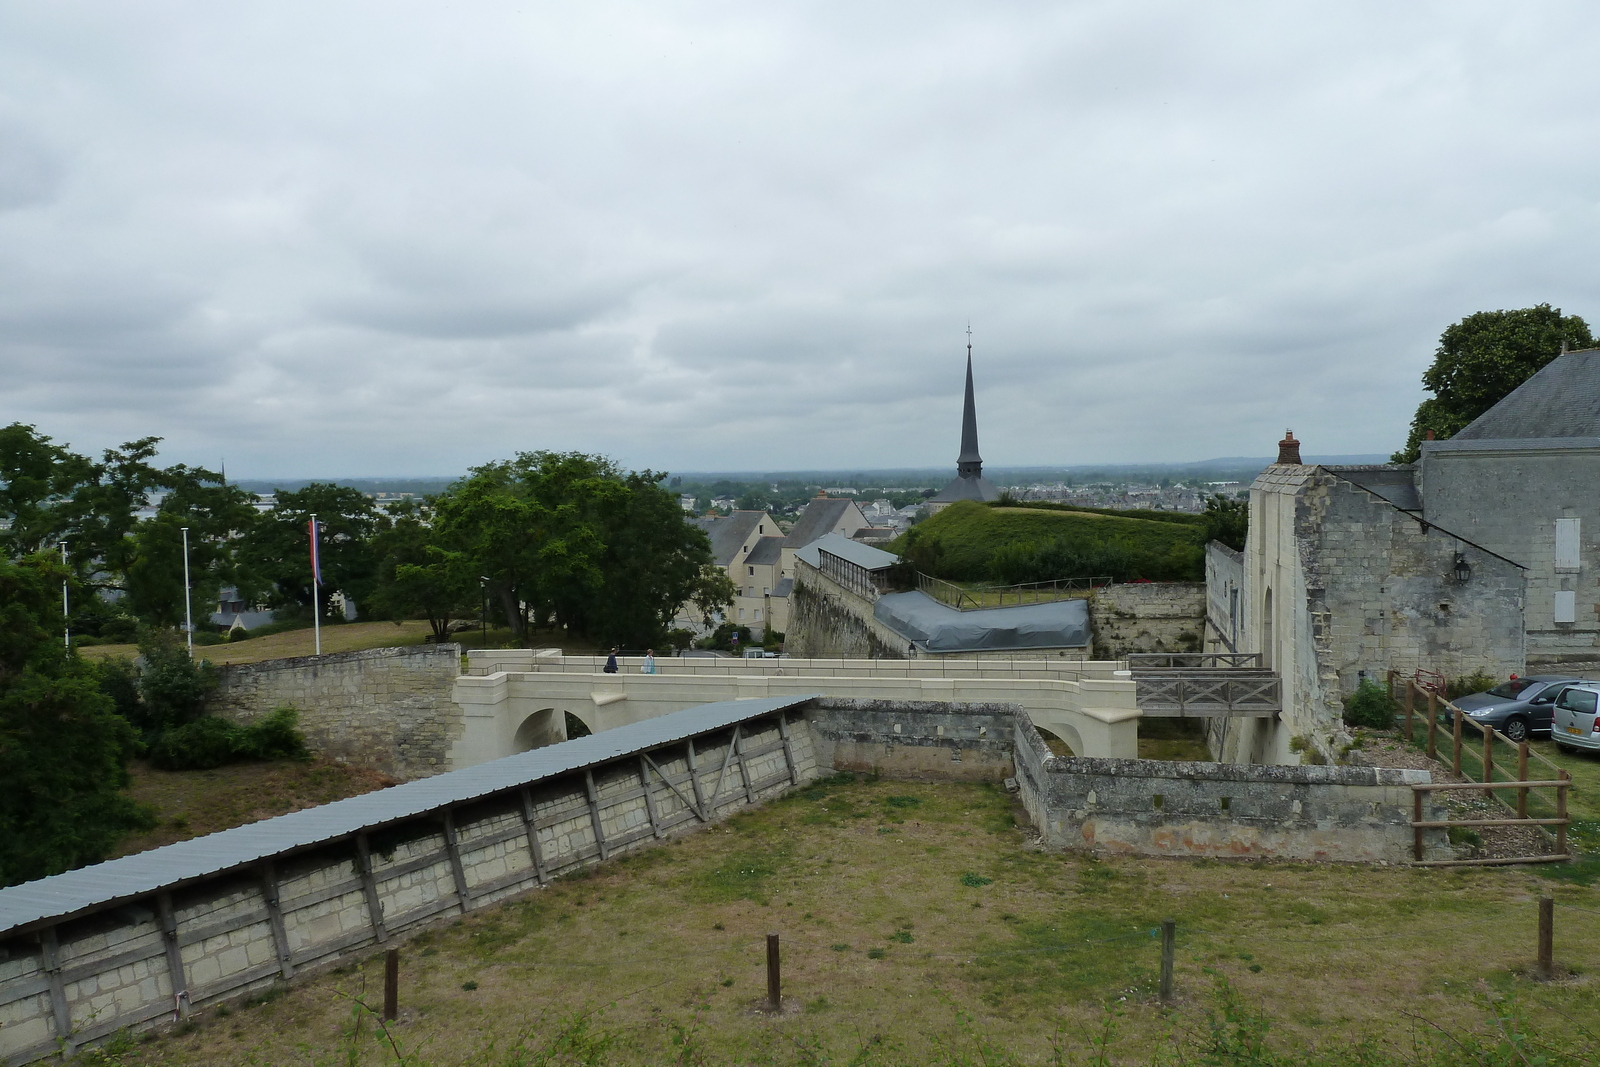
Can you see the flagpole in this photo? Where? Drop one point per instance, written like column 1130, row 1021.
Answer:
column 66, row 619
column 316, row 587
column 188, row 614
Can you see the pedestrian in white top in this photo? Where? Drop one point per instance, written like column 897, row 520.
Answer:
column 649, row 661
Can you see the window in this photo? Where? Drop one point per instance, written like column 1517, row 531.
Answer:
column 1566, row 606
column 1511, row 688
column 741, row 613
column 752, row 571
column 758, row 614
column 1577, row 700
column 1567, row 545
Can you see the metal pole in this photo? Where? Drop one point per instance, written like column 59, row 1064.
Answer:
column 66, row 619
column 774, row 991
column 1168, row 938
column 188, row 615
column 316, row 587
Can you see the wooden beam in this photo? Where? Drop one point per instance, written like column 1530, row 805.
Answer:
column 280, row 934
column 692, row 804
column 369, row 888
column 594, row 814
column 727, row 758
column 533, row 836
column 452, row 848
column 50, row 948
column 788, row 748
column 649, row 797
column 744, row 772
column 694, row 781
column 175, row 972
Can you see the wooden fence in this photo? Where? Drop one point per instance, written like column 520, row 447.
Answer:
column 1540, row 803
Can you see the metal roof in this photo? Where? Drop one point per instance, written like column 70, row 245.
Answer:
column 873, row 559
column 104, row 884
column 936, row 627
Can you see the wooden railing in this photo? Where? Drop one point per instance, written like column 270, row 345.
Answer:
column 1145, row 661
column 977, row 598
column 1475, row 759
column 1208, row 692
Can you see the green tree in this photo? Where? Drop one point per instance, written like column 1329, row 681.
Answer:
column 63, row 748
column 417, row 578
column 277, row 551
column 1481, row 359
column 37, row 482
column 1227, row 520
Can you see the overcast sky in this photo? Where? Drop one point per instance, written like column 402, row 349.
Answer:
column 392, row 238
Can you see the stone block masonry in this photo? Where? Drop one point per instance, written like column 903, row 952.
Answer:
column 1148, row 617
column 69, row 980
column 385, row 708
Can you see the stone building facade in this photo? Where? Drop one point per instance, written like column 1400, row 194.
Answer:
column 1343, row 578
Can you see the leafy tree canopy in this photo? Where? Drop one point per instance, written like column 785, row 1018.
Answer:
column 1481, row 359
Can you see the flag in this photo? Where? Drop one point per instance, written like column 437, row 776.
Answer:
column 316, row 559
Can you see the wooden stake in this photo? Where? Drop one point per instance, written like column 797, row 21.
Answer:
column 391, row 985
column 1169, row 928
column 1547, row 940
column 1433, row 726
column 1522, row 776
column 1416, row 818
column 1455, row 760
column 1488, row 753
column 1561, row 813
column 774, row 986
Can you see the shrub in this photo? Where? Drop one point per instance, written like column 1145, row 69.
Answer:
column 1371, row 706
column 210, row 741
column 1476, row 682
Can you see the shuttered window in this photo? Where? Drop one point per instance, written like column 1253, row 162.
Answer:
column 1567, row 544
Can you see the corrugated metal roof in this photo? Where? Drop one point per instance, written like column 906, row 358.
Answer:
column 103, row 884
column 873, row 559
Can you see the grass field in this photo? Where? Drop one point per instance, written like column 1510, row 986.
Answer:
column 970, row 542
column 918, row 926
column 345, row 637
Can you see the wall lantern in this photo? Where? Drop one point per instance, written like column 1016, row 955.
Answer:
column 1462, row 572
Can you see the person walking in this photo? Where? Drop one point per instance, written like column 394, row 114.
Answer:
column 611, row 662
column 649, row 661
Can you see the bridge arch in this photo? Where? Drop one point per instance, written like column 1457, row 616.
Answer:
column 543, row 727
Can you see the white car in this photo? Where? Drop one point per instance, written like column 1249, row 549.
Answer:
column 1577, row 718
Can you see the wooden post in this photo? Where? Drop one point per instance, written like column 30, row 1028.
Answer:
column 369, row 889
column 774, row 985
column 1547, row 940
column 60, row 1013
column 649, row 797
column 594, row 815
column 1433, row 726
column 175, row 972
column 391, row 985
column 1488, row 753
column 280, row 933
column 1455, row 760
column 458, row 874
column 1561, row 813
column 1416, row 817
column 531, row 825
column 1169, row 929
column 694, row 783
column 1522, row 776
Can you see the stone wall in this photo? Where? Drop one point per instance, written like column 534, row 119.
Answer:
column 66, row 983
column 1147, row 617
column 1508, row 497
column 1225, row 599
column 1161, row 808
column 916, row 739
column 385, row 708
column 828, row 621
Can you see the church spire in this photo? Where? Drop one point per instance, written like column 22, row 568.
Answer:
column 969, row 463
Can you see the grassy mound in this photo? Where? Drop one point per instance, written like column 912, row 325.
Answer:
column 969, row 542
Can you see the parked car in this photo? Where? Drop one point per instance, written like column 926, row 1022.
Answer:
column 1576, row 723
column 1518, row 708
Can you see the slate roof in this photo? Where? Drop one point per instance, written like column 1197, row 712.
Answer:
column 1562, row 399
column 784, row 587
column 967, row 487
column 768, row 550
column 728, row 532
column 819, row 517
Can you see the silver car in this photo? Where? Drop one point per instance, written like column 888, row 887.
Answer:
column 1520, row 707
column 1577, row 724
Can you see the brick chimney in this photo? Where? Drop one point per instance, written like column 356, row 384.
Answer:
column 1289, row 449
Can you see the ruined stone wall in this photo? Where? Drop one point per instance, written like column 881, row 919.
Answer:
column 937, row 740
column 1161, row 808
column 385, row 708
column 1147, row 617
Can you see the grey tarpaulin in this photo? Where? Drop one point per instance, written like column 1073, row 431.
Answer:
column 934, row 627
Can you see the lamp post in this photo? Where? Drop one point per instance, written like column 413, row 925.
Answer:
column 188, row 615
column 483, row 614
column 66, row 620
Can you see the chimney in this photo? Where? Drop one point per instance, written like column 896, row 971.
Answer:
column 1289, row 449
